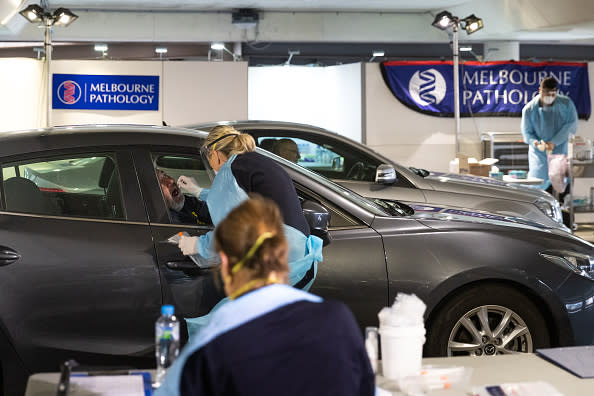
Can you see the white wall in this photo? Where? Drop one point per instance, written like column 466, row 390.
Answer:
column 328, row 97
column 20, row 101
column 204, row 91
column 416, row 139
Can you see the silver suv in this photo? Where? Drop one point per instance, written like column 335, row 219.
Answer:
column 367, row 172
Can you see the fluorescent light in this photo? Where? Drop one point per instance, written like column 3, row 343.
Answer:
column 161, row 50
column 378, row 53
column 465, row 49
column 217, row 46
column 101, row 47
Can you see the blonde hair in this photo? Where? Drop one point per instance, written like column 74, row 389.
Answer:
column 234, row 143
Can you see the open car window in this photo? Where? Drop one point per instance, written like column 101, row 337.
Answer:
column 78, row 186
column 183, row 207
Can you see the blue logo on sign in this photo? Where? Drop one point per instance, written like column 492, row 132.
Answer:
column 427, row 87
column 97, row 92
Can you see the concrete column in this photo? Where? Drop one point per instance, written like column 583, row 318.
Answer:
column 502, row 50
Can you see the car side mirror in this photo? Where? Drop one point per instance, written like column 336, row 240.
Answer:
column 385, row 174
column 318, row 218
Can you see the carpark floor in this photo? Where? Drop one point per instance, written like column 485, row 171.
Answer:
column 586, row 231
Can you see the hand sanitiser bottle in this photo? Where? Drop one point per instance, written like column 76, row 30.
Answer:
column 166, row 342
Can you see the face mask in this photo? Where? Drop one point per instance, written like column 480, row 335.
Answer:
column 548, row 100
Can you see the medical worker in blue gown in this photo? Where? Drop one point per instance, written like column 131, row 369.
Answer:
column 547, row 122
column 270, row 339
column 239, row 171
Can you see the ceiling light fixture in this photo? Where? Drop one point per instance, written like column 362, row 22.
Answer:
column 375, row 54
column 101, row 47
column 161, row 50
column 465, row 49
column 217, row 46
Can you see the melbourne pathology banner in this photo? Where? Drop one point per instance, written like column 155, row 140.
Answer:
column 486, row 89
column 99, row 92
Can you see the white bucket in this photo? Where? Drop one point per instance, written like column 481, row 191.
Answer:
column 402, row 350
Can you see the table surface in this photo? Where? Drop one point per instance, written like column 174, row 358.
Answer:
column 494, row 370
column 528, row 180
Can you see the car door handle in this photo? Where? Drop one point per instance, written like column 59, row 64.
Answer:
column 181, row 265
column 8, row 256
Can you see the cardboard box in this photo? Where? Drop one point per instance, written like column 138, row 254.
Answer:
column 479, row 169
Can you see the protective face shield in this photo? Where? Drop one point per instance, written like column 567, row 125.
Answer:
column 206, row 151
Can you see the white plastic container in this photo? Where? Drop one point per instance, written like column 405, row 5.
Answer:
column 402, row 350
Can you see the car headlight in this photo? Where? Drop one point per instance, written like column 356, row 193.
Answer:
column 580, row 263
column 552, row 210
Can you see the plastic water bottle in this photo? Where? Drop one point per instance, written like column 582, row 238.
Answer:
column 166, row 341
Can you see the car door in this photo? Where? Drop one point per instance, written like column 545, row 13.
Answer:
column 354, row 267
column 77, row 267
column 340, row 161
column 192, row 290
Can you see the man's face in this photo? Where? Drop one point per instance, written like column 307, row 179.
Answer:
column 547, row 95
column 290, row 151
column 171, row 192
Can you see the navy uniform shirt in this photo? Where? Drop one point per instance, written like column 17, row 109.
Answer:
column 194, row 211
column 257, row 173
column 304, row 348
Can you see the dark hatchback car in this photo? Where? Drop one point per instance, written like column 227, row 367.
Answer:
column 84, row 265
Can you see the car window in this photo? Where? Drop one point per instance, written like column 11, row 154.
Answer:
column 328, row 157
column 78, row 186
column 184, row 207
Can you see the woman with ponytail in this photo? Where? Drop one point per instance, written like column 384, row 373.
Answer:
column 270, row 338
column 240, row 170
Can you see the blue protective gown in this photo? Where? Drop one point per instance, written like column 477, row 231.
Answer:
column 224, row 195
column 258, row 343
column 549, row 123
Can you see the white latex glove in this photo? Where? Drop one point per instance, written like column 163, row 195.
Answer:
column 190, row 185
column 541, row 145
column 188, row 245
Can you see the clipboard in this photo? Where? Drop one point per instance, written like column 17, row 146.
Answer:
column 578, row 360
column 103, row 383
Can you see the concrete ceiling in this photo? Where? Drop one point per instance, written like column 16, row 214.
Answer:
column 316, row 22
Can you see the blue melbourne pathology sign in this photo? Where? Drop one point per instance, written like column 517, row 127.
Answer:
column 105, row 92
column 486, row 88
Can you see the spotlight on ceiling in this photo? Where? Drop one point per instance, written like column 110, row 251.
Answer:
column 161, row 50
column 33, row 13
column 217, row 46
column 63, row 17
column 100, row 47
column 472, row 23
column 444, row 20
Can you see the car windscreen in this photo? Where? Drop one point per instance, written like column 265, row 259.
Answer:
column 352, row 196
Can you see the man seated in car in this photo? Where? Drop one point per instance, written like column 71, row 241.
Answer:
column 287, row 148
column 182, row 209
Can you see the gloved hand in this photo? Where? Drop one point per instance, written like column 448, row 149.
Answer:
column 541, row 145
column 188, row 245
column 190, row 185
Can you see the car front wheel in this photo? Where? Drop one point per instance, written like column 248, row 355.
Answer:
column 486, row 321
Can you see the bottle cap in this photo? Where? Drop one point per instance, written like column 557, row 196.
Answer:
column 167, row 310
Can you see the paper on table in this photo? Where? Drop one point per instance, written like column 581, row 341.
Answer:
column 536, row 388
column 578, row 360
column 106, row 385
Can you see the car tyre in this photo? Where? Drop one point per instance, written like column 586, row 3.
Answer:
column 484, row 321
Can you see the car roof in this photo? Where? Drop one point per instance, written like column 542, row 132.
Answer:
column 42, row 139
